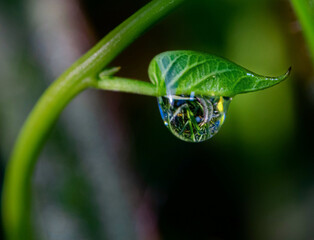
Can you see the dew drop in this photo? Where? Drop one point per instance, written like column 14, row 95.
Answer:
column 193, row 118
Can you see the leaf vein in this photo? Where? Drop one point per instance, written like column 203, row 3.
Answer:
column 174, row 80
column 170, row 65
column 210, row 75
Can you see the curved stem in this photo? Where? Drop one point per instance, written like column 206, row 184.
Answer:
column 305, row 12
column 17, row 183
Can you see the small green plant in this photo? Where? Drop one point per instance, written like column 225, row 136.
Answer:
column 200, row 84
column 196, row 80
column 194, row 91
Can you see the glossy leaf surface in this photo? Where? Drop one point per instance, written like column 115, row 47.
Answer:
column 186, row 72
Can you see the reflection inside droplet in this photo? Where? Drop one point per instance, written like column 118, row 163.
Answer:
column 193, row 118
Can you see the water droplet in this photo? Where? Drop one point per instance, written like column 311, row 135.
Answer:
column 193, row 118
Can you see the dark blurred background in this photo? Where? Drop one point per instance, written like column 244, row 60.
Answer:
column 111, row 170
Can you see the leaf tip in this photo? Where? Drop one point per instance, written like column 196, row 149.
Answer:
column 289, row 71
column 286, row 75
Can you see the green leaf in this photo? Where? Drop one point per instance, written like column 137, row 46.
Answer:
column 184, row 72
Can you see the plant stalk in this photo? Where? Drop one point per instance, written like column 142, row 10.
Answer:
column 119, row 84
column 304, row 10
column 16, row 202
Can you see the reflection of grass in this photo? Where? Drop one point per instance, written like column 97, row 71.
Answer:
column 190, row 117
column 305, row 12
column 183, row 121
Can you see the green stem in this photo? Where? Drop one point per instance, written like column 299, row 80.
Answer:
column 17, row 185
column 125, row 85
column 81, row 75
column 305, row 13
